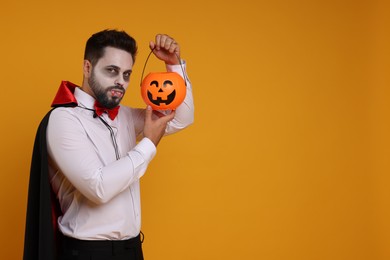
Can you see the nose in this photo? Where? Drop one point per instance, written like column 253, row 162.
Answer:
column 119, row 83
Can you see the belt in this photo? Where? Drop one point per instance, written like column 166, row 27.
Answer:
column 97, row 247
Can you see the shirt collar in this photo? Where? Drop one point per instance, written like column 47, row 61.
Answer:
column 83, row 98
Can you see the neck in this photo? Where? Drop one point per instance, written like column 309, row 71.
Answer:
column 87, row 89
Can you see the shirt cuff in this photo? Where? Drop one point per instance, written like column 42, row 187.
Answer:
column 181, row 70
column 177, row 68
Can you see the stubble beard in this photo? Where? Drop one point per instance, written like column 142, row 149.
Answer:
column 102, row 94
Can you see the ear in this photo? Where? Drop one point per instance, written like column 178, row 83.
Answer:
column 87, row 68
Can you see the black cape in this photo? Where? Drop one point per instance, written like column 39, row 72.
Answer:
column 40, row 238
column 41, row 232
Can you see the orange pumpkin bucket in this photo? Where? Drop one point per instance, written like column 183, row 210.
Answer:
column 163, row 90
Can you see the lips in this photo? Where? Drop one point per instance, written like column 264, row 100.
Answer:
column 116, row 93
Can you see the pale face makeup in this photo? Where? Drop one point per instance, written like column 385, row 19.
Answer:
column 110, row 77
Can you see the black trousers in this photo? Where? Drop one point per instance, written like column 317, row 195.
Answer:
column 74, row 249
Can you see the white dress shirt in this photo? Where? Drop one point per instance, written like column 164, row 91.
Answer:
column 100, row 195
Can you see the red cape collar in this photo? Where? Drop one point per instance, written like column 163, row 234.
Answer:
column 65, row 95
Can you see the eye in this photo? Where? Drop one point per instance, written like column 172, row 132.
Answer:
column 112, row 71
column 167, row 82
column 126, row 76
column 154, row 82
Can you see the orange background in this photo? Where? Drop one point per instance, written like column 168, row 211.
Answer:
column 289, row 154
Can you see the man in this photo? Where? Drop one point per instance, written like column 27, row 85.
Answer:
column 87, row 149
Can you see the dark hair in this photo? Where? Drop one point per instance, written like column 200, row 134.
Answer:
column 96, row 44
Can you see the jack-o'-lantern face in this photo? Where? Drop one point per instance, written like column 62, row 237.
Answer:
column 162, row 91
column 161, row 94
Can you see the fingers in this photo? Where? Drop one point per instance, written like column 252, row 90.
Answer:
column 168, row 117
column 148, row 114
column 163, row 118
column 154, row 128
column 152, row 45
column 158, row 113
column 167, row 43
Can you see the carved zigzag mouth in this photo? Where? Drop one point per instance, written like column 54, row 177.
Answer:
column 160, row 101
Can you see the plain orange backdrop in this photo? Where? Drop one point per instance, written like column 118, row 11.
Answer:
column 289, row 154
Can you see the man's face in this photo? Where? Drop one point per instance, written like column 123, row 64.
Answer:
column 110, row 77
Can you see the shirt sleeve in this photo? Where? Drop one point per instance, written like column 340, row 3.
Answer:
column 185, row 111
column 71, row 151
